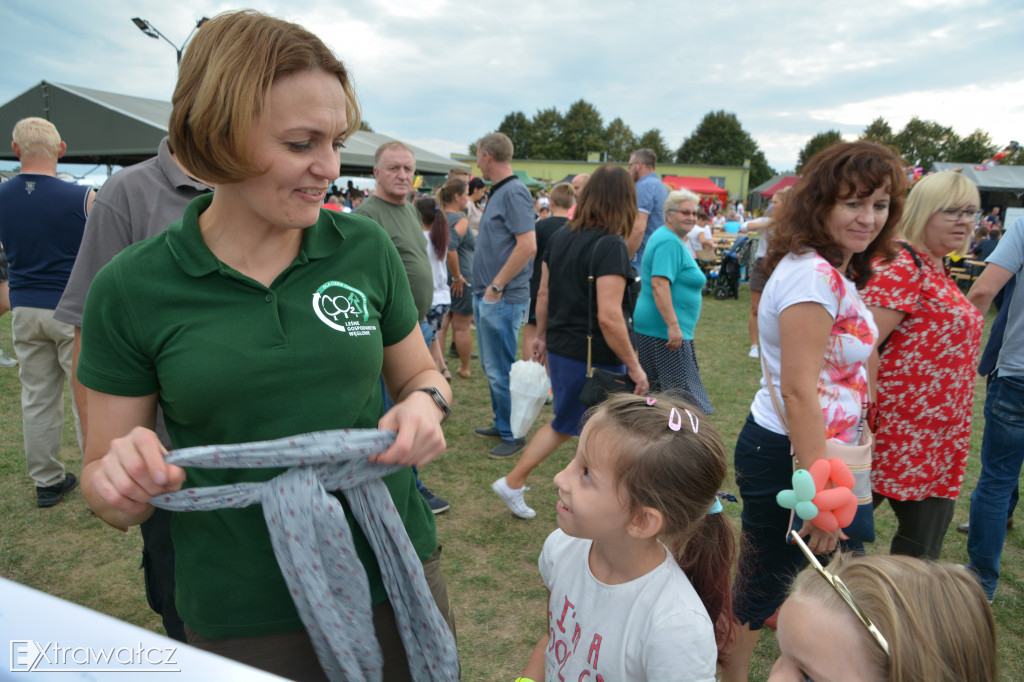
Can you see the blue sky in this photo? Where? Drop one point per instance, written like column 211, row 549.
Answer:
column 440, row 74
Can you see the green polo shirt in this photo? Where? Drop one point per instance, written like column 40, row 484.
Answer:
column 402, row 223
column 233, row 361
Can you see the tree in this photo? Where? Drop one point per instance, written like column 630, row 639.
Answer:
column 974, row 148
column 582, row 130
column 519, row 130
column 922, row 143
column 620, row 141
column 720, row 140
column 815, row 145
column 653, row 139
column 364, row 125
column 546, row 138
column 879, row 131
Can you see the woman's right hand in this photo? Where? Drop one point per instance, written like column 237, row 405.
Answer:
column 540, row 351
column 133, row 471
column 821, row 542
column 457, row 286
column 639, row 377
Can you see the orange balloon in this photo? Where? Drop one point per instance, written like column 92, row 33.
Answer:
column 840, row 473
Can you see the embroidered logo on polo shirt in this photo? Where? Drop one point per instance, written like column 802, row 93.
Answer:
column 344, row 308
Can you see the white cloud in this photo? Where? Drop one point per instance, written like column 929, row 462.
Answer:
column 997, row 108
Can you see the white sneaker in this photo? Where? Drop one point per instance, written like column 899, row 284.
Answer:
column 6, row 360
column 513, row 498
column 753, row 352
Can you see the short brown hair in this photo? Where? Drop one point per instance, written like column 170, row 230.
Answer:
column 224, row 80
column 498, row 145
column 837, row 172
column 563, row 195
column 393, row 144
column 608, row 201
column 646, row 157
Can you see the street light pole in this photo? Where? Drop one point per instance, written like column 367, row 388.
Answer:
column 152, row 31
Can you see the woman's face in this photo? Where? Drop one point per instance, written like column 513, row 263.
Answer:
column 297, row 141
column 949, row 230
column 462, row 201
column 854, row 222
column 820, row 643
column 682, row 217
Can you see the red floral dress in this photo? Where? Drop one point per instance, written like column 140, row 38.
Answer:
column 925, row 380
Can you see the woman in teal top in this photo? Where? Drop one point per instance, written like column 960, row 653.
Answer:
column 669, row 305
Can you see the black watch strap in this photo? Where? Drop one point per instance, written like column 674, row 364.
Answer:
column 438, row 399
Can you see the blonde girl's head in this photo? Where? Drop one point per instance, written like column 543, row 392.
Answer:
column 668, row 457
column 934, row 616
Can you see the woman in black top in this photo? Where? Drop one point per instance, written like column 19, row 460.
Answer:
column 594, row 240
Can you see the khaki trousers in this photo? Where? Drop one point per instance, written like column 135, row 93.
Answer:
column 43, row 348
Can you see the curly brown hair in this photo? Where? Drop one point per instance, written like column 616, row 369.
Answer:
column 837, row 173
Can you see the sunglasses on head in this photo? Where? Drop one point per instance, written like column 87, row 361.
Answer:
column 842, row 591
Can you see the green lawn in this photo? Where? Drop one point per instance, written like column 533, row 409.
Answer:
column 490, row 557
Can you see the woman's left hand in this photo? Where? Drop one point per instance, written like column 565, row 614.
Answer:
column 821, row 542
column 675, row 338
column 457, row 286
column 417, row 421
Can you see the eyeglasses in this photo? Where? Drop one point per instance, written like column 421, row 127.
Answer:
column 685, row 214
column 842, row 591
column 955, row 214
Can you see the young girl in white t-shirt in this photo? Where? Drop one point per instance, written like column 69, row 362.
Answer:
column 638, row 572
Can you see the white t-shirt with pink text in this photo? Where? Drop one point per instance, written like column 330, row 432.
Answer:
column 653, row 628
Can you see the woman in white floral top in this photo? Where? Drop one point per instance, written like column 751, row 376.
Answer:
column 816, row 336
column 925, row 385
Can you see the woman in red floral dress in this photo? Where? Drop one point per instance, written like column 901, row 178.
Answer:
column 928, row 344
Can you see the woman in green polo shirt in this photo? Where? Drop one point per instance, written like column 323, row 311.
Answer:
column 213, row 321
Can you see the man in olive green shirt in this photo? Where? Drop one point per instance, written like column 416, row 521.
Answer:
column 394, row 167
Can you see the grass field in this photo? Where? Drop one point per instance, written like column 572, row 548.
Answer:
column 490, row 556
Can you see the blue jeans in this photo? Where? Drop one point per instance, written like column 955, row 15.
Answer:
column 428, row 333
column 1001, row 458
column 497, row 335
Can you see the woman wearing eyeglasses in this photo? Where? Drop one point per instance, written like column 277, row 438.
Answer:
column 885, row 618
column 669, row 304
column 928, row 340
column 816, row 336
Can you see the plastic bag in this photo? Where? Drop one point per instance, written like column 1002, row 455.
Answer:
column 529, row 385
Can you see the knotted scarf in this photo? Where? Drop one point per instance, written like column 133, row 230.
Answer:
column 313, row 545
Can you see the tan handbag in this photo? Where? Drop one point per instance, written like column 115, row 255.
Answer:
column 856, row 457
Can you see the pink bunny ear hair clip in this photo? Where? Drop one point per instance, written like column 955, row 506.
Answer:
column 675, row 420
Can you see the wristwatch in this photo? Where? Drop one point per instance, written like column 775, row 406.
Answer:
column 496, row 289
column 438, row 400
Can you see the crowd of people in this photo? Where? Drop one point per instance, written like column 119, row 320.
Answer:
column 180, row 295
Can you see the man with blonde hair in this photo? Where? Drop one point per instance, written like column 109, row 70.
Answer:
column 41, row 224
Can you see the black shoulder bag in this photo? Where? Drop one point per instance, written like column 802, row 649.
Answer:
column 599, row 382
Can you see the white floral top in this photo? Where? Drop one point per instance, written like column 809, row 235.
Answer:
column 842, row 384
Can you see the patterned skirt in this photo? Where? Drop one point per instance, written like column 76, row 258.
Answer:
column 672, row 371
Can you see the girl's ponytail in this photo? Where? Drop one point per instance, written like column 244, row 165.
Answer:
column 707, row 559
